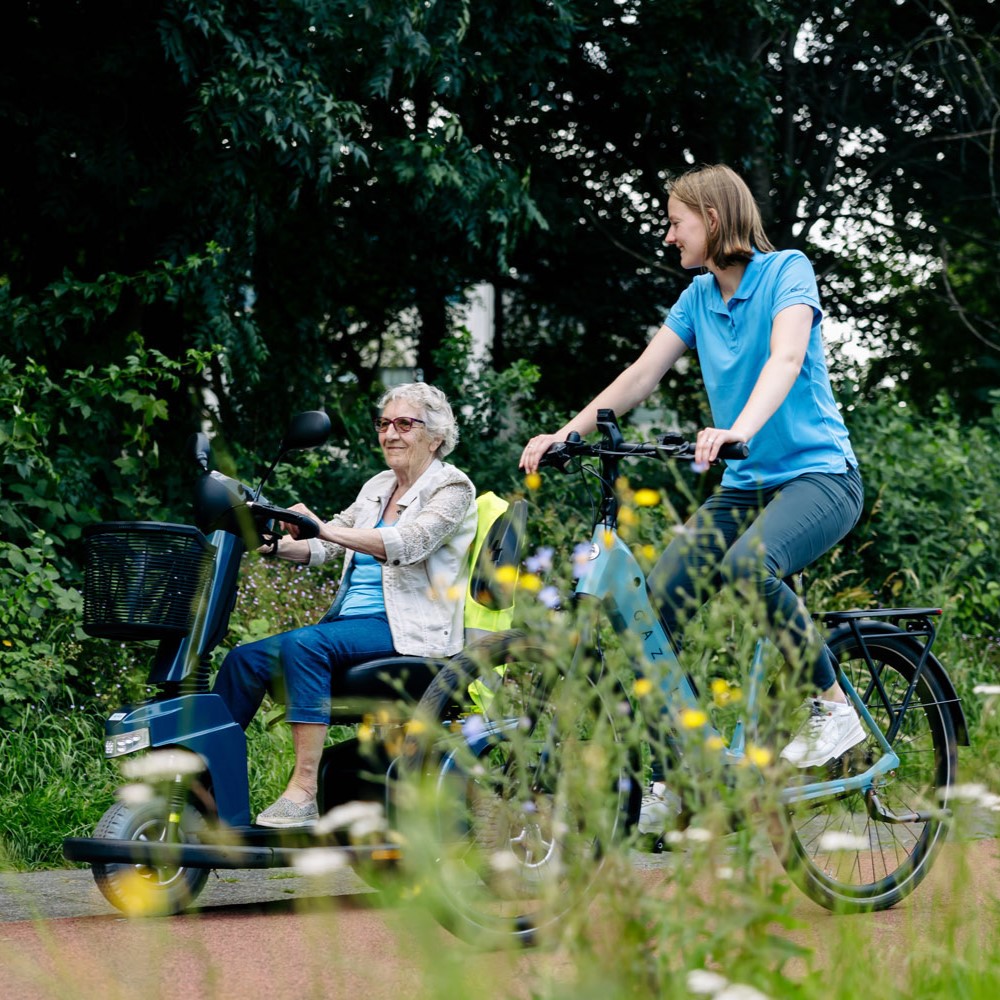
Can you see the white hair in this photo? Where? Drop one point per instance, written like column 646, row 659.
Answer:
column 438, row 417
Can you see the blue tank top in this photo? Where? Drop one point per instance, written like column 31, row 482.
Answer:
column 364, row 587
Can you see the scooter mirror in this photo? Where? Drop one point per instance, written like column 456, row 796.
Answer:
column 306, row 430
column 200, row 450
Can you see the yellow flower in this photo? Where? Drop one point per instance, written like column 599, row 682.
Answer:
column 628, row 517
column 723, row 693
column 415, row 727
column 642, row 687
column 648, row 552
column 715, row 742
column 759, row 756
column 608, row 539
column 532, row 480
column 506, row 576
column 646, row 498
column 7, row 642
column 693, row 718
column 530, row 583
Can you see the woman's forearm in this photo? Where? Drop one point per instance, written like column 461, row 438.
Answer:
column 365, row 540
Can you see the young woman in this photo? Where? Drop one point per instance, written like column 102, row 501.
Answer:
column 753, row 316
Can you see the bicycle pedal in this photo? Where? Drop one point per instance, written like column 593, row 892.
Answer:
column 857, row 760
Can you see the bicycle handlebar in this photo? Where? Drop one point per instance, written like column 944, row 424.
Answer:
column 671, row 445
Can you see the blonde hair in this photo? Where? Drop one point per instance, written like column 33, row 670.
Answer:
column 437, row 413
column 740, row 229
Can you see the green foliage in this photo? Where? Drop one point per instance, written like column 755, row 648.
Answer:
column 74, row 449
column 931, row 531
column 54, row 783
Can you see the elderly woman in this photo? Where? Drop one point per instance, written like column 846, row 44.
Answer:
column 405, row 540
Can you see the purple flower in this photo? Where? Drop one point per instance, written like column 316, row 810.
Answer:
column 540, row 562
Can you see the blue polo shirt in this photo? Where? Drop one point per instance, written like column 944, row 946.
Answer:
column 733, row 340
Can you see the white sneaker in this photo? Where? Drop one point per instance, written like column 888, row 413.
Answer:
column 830, row 731
column 660, row 809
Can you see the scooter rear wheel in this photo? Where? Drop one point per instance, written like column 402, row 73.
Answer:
column 143, row 890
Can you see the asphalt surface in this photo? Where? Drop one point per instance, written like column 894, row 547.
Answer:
column 64, row 893
column 260, row 936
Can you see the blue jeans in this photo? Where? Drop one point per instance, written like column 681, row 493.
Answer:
column 755, row 538
column 297, row 667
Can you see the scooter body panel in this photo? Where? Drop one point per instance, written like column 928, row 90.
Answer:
column 202, row 724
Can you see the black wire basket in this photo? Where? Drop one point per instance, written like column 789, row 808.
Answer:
column 142, row 579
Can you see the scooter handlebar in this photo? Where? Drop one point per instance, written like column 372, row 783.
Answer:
column 307, row 527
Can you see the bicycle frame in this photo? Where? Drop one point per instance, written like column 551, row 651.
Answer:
column 613, row 577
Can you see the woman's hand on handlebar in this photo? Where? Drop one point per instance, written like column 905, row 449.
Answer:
column 535, row 449
column 301, row 508
column 710, row 441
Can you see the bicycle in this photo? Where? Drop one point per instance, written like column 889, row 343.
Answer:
column 535, row 778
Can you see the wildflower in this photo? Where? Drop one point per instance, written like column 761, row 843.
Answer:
column 549, row 596
column 693, row 718
column 642, row 687
column 723, row 692
column 698, row 835
column 138, row 895
column 162, row 765
column 134, row 794
column 715, row 742
column 504, row 861
column 529, row 582
column 646, row 498
column 473, row 727
column 648, row 552
column 759, row 756
column 968, row 792
column 319, row 861
column 541, row 561
column 740, row 991
column 353, row 816
column 532, row 481
column 506, row 576
column 582, row 554
column 627, row 517
column 836, row 840
column 701, row 981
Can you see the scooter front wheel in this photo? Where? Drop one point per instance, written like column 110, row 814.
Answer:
column 144, row 890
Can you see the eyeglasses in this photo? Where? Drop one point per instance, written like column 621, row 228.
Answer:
column 403, row 425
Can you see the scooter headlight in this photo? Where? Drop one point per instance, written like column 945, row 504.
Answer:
column 123, row 743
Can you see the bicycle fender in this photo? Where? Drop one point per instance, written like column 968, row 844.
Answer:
column 932, row 666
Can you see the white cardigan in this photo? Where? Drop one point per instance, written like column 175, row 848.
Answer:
column 426, row 570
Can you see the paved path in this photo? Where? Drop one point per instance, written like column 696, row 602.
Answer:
column 281, row 936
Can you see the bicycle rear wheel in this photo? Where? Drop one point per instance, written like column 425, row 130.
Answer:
column 836, row 849
column 517, row 792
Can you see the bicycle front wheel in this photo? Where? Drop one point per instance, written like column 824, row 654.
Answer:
column 517, row 794
column 849, row 852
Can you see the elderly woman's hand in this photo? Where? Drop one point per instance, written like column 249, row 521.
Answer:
column 301, row 508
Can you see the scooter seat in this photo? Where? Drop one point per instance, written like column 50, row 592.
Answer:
column 391, row 677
